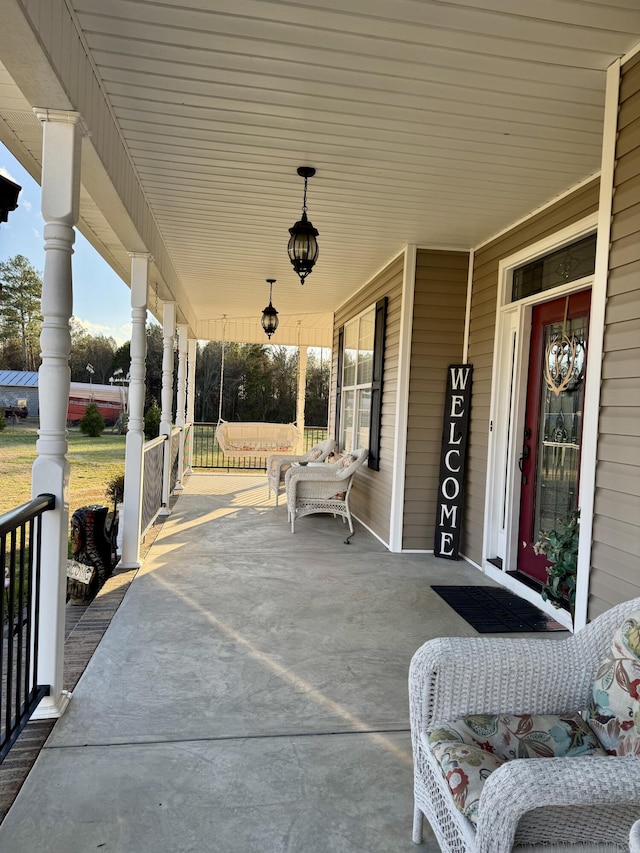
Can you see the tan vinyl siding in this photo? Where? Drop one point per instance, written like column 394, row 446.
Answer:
column 371, row 494
column 571, row 208
column 437, row 340
column 615, row 558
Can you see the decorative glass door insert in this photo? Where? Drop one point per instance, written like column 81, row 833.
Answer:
column 552, row 439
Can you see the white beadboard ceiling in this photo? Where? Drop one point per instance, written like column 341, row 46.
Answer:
column 435, row 122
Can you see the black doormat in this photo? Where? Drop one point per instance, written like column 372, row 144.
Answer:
column 494, row 610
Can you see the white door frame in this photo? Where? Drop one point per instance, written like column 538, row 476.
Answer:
column 507, row 412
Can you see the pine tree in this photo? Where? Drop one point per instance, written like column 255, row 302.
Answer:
column 92, row 424
column 20, row 293
column 152, row 421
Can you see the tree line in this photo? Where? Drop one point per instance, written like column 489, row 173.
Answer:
column 259, row 383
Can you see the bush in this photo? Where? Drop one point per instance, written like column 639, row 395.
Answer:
column 3, row 422
column 152, row 421
column 114, row 488
column 92, row 424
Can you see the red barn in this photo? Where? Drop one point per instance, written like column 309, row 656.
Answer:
column 111, row 400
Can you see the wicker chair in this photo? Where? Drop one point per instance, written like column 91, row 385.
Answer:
column 325, row 488
column 278, row 463
column 586, row 803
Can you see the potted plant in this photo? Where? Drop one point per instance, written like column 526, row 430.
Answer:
column 560, row 547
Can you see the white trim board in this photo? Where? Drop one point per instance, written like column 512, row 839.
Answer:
column 396, row 514
column 467, row 310
column 595, row 348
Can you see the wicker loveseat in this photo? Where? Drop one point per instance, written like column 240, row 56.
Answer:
column 279, row 463
column 325, row 488
column 583, row 803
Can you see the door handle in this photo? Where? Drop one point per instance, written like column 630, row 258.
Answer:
column 526, row 452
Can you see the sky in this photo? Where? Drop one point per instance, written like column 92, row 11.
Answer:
column 101, row 300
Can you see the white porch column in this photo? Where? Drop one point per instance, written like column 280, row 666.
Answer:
column 131, row 519
column 62, row 135
column 300, row 401
column 396, row 521
column 191, row 395
column 168, row 331
column 181, row 398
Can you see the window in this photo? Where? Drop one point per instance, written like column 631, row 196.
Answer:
column 560, row 267
column 359, row 397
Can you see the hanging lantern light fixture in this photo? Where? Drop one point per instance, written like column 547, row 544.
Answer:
column 303, row 246
column 270, row 315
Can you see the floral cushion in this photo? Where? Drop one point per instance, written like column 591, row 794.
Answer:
column 614, row 709
column 471, row 748
column 315, row 454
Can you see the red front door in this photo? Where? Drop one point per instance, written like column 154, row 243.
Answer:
column 552, row 435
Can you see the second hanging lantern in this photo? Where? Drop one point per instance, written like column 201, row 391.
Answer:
column 270, row 315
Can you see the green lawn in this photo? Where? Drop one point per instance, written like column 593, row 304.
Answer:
column 93, row 462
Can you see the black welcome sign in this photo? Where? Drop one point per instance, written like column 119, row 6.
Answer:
column 455, row 432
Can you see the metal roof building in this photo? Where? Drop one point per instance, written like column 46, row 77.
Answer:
column 17, row 386
column 19, row 378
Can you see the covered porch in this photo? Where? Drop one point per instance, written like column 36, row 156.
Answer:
column 250, row 693
column 456, row 145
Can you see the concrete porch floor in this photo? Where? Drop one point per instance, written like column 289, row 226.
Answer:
column 250, row 693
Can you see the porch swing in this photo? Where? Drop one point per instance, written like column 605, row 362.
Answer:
column 257, row 439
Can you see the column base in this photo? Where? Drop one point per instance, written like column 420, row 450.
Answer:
column 178, row 487
column 51, row 708
column 163, row 512
column 128, row 565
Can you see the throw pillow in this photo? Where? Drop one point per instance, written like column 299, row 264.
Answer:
column 465, row 769
column 614, row 709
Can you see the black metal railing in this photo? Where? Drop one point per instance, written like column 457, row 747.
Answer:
column 20, row 551
column 152, row 482
column 208, row 454
column 314, row 435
